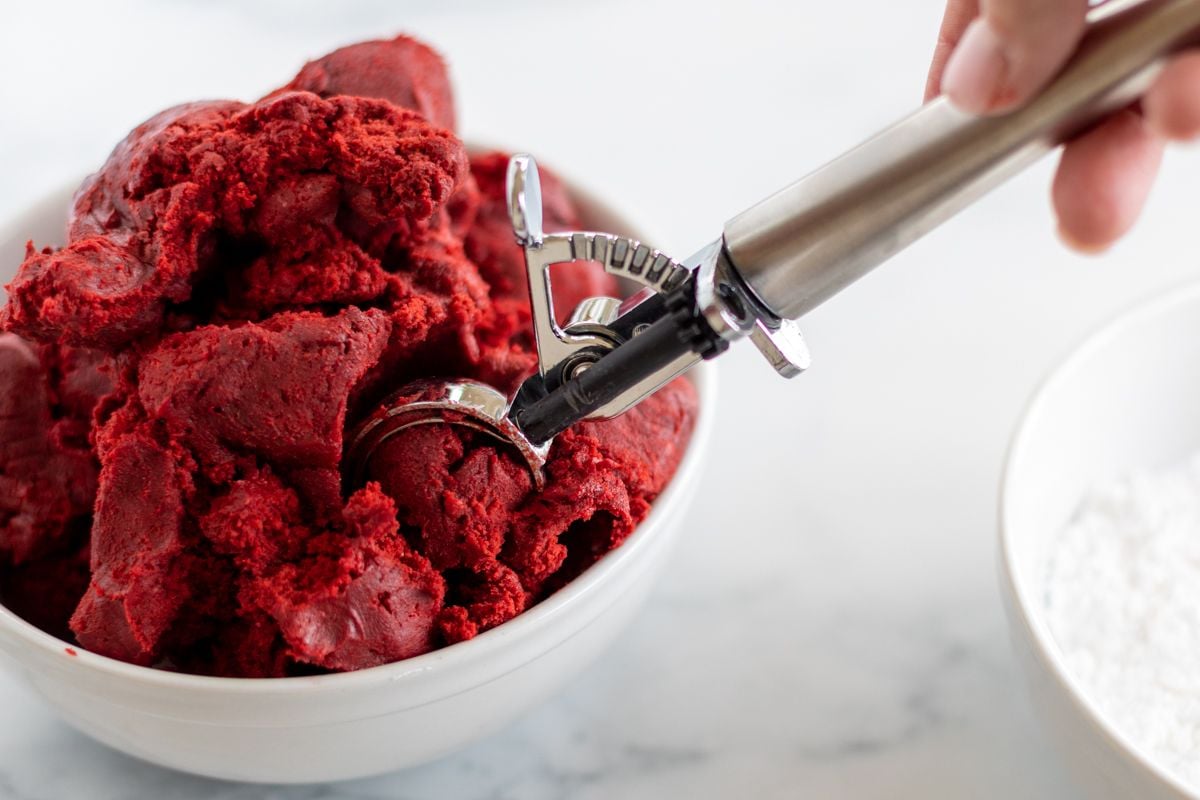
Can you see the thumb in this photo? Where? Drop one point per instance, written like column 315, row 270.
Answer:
column 1010, row 51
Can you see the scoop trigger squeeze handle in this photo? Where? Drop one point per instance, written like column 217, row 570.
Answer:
column 588, row 334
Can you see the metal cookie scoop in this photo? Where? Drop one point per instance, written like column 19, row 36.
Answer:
column 598, row 326
column 782, row 257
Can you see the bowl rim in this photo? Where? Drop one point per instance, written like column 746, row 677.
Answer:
column 455, row 656
column 1026, row 605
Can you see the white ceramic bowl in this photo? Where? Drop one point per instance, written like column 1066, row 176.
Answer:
column 332, row 727
column 1128, row 398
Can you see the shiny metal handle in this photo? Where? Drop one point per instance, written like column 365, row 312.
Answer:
column 807, row 242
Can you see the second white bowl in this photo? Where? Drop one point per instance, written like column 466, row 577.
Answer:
column 1127, row 399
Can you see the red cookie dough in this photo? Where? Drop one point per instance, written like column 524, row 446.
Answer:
column 359, row 599
column 470, row 505
column 138, row 539
column 47, row 474
column 241, row 283
column 203, row 186
column 403, row 71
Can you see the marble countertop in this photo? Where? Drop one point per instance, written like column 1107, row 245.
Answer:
column 831, row 626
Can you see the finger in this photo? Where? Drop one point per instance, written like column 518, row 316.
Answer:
column 1103, row 180
column 1172, row 106
column 958, row 16
column 1011, row 51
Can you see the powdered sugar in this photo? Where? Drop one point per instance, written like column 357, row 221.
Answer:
column 1122, row 596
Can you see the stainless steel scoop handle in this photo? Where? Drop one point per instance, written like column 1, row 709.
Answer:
column 809, row 241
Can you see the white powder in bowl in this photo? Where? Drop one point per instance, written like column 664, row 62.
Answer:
column 1122, row 597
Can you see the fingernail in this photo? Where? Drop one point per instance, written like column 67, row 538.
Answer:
column 978, row 69
column 1080, row 246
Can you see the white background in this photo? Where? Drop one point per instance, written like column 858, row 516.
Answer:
column 831, row 625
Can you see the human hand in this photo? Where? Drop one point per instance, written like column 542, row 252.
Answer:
column 993, row 55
